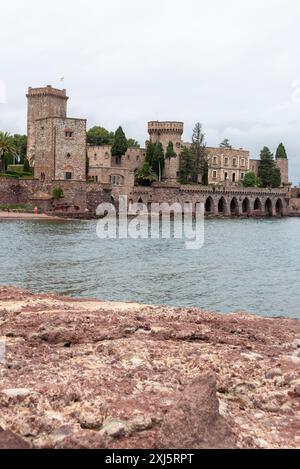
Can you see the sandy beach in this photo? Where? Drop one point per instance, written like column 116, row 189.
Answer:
column 26, row 216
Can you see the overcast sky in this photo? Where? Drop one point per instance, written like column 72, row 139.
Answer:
column 232, row 65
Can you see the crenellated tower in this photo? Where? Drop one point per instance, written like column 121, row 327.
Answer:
column 165, row 132
column 41, row 103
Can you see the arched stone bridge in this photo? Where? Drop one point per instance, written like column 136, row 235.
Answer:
column 226, row 202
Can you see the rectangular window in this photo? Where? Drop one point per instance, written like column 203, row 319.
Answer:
column 215, row 160
column 68, row 176
column 242, row 176
column 234, row 162
column 242, row 162
column 226, row 162
column 69, row 134
column 214, row 174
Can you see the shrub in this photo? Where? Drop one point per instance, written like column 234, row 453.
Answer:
column 57, row 193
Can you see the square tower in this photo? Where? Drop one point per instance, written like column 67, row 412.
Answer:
column 41, row 103
column 60, row 149
column 165, row 132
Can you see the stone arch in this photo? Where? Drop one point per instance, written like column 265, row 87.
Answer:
column 279, row 207
column 222, row 206
column 257, row 204
column 269, row 207
column 246, row 208
column 234, row 206
column 209, row 205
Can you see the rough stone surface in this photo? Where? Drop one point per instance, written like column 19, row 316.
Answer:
column 195, row 421
column 74, row 367
column 9, row 440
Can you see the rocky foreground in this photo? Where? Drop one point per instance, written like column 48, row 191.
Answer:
column 91, row 374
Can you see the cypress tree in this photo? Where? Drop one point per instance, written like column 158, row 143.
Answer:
column 170, row 153
column 120, row 145
column 281, row 152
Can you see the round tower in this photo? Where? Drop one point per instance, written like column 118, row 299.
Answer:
column 42, row 103
column 164, row 133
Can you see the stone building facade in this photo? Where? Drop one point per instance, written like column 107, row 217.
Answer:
column 41, row 103
column 227, row 166
column 56, row 144
column 60, row 149
column 106, row 169
column 165, row 132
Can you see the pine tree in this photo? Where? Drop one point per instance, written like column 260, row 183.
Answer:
column 120, row 145
column 281, row 152
column 269, row 174
column 225, row 144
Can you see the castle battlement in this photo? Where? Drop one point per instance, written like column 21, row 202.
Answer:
column 47, row 91
column 165, row 127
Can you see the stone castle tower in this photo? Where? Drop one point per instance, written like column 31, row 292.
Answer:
column 42, row 103
column 165, row 132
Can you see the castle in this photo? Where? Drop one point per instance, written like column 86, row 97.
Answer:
column 57, row 147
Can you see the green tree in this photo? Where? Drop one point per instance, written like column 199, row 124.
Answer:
column 281, row 152
column 120, row 145
column 132, row 143
column 145, row 176
column 269, row 174
column 7, row 149
column 276, row 177
column 57, row 193
column 226, row 144
column 98, row 136
column 199, row 156
column 158, row 162
column 26, row 167
column 250, row 180
column 187, row 167
column 20, row 142
column 150, row 146
column 170, row 153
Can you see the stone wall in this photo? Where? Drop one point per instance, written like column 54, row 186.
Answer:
column 60, row 149
column 283, row 165
column 81, row 197
column 225, row 202
column 78, row 196
column 165, row 132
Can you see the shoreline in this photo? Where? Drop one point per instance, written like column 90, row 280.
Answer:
column 85, row 373
column 4, row 215
column 27, row 216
